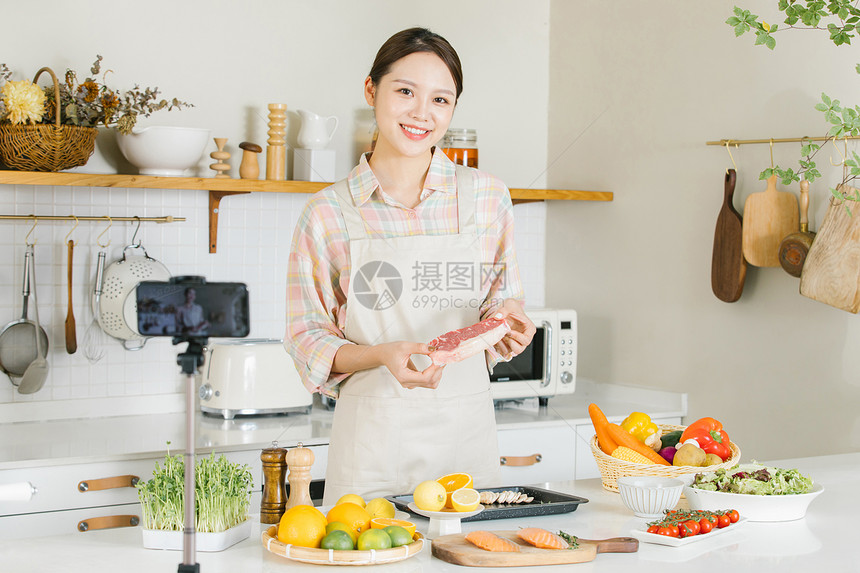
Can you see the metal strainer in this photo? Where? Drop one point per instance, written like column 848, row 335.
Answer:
column 18, row 338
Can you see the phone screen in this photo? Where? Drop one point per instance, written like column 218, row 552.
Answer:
column 192, row 309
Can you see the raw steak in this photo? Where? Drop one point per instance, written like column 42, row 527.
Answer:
column 464, row 342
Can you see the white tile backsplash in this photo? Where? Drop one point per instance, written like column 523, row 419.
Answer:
column 254, row 236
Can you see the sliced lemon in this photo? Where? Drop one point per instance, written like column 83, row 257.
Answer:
column 453, row 482
column 465, row 499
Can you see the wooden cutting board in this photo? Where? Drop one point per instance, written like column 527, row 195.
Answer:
column 769, row 216
column 831, row 272
column 728, row 267
column 455, row 549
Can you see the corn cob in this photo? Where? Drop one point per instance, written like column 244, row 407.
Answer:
column 628, row 455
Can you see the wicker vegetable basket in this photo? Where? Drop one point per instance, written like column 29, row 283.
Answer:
column 612, row 468
column 46, row 147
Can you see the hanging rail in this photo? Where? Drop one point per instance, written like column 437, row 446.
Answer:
column 724, row 142
column 165, row 219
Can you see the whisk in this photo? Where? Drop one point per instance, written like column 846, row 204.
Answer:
column 94, row 337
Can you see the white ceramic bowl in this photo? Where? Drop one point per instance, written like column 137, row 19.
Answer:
column 649, row 496
column 754, row 507
column 162, row 150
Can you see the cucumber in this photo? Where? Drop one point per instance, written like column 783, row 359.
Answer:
column 671, row 439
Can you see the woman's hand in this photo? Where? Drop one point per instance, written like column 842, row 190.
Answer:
column 522, row 329
column 397, row 357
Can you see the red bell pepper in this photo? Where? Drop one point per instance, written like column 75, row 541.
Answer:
column 710, row 436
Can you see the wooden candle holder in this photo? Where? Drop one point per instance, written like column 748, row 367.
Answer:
column 221, row 167
column 276, row 151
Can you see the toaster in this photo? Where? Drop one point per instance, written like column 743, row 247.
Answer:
column 251, row 377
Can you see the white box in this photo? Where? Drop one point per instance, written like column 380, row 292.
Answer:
column 313, row 165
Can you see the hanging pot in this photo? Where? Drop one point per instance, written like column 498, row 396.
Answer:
column 117, row 305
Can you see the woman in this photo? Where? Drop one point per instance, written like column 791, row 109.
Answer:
column 408, row 247
column 189, row 316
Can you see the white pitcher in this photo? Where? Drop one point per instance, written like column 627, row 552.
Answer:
column 315, row 132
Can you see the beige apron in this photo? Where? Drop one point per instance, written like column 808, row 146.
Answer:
column 386, row 439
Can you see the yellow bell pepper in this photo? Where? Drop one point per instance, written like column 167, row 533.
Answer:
column 640, row 426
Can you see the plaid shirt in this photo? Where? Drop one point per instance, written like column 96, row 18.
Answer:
column 319, row 266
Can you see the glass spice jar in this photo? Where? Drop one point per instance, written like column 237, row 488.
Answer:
column 461, row 146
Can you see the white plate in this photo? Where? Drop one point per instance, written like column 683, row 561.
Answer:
column 643, row 535
column 754, row 507
column 446, row 514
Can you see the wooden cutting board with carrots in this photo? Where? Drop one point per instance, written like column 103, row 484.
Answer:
column 455, row 549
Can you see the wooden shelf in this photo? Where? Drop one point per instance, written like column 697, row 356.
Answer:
column 220, row 188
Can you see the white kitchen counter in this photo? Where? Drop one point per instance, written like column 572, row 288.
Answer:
column 822, row 541
column 116, row 438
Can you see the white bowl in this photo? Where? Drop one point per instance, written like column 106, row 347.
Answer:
column 164, row 151
column 754, row 507
column 649, row 496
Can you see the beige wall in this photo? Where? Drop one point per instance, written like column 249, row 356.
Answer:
column 636, row 89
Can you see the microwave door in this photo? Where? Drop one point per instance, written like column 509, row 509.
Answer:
column 547, row 354
column 532, row 364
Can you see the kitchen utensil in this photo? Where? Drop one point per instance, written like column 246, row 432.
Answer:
column 544, row 502
column 94, row 335
column 754, row 507
column 643, row 535
column 794, row 248
column 455, row 549
column 444, row 522
column 316, row 130
column 728, row 267
column 344, row 557
column 769, row 216
column 649, row 496
column 831, row 273
column 37, row 372
column 71, row 331
column 251, row 377
column 17, row 344
column 163, row 150
column 118, row 303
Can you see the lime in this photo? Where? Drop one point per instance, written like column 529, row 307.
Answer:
column 341, row 526
column 373, row 539
column 399, row 536
column 338, row 540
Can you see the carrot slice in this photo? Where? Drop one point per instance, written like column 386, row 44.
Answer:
column 604, row 440
column 541, row 538
column 489, row 541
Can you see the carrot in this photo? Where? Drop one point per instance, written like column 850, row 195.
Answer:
column 604, row 440
column 541, row 538
column 621, row 436
column 489, row 541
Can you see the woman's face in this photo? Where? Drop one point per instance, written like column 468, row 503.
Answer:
column 414, row 103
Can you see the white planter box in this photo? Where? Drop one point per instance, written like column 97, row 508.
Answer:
column 161, row 539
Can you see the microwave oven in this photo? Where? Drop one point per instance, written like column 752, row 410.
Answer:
column 547, row 367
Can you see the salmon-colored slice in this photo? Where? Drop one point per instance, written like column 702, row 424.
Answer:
column 541, row 538
column 490, row 541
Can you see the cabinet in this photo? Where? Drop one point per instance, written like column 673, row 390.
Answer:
column 549, row 453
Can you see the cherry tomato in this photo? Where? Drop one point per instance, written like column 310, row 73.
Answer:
column 668, row 531
column 705, row 526
column 684, row 531
column 723, row 520
column 712, row 517
column 734, row 516
column 654, row 529
column 693, row 526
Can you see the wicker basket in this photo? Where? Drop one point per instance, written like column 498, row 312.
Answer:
column 612, row 468
column 46, row 147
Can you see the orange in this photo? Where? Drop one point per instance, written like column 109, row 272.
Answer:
column 465, row 499
column 353, row 515
column 383, row 522
column 302, row 525
column 453, row 482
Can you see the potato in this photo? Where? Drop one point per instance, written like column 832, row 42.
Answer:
column 713, row 459
column 689, row 455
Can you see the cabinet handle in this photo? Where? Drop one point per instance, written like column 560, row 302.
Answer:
column 520, row 460
column 107, row 483
column 108, row 522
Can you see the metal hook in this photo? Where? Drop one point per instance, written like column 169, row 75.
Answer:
column 833, row 141
column 731, row 157
column 30, row 232
column 69, row 234
column 98, row 239
column 133, row 237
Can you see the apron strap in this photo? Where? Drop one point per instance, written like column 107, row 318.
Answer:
column 352, row 218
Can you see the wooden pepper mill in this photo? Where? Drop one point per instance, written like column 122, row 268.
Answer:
column 274, row 501
column 299, row 461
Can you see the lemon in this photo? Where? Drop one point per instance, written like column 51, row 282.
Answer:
column 453, row 482
column 465, row 499
column 430, row 496
column 351, row 498
column 339, row 540
column 398, row 535
column 341, row 526
column 373, row 539
column 302, row 525
column 380, row 507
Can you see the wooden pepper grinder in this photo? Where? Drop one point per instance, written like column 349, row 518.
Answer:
column 274, row 501
column 299, row 461
column 276, row 151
